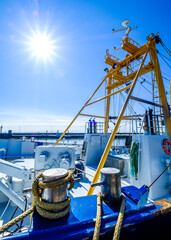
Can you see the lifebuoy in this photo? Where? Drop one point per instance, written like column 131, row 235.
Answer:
column 167, row 146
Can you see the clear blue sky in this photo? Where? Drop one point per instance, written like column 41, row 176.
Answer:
column 37, row 95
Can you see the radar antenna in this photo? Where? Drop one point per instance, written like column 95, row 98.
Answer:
column 126, row 26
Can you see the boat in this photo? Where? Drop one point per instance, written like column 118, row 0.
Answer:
column 132, row 199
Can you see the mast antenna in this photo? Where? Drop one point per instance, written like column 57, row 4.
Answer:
column 126, row 26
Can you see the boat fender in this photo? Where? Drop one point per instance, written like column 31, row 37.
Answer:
column 166, row 145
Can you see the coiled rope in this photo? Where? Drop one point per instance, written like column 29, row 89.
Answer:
column 45, row 209
column 119, row 221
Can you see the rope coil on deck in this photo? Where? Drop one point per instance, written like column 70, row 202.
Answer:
column 119, row 221
column 45, row 209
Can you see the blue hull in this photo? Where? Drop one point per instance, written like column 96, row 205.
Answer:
column 140, row 222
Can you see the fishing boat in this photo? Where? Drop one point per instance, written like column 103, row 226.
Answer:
column 132, row 197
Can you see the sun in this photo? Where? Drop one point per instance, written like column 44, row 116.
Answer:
column 41, row 46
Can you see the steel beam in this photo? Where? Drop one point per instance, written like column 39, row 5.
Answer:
column 109, row 95
column 89, row 115
column 146, row 101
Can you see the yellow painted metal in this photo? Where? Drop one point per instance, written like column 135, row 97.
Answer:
column 126, row 61
column 170, row 92
column 110, row 59
column 147, row 68
column 123, row 79
column 109, row 95
column 113, row 134
column 89, row 115
column 160, row 85
column 130, row 45
column 107, row 108
column 129, row 40
column 80, row 111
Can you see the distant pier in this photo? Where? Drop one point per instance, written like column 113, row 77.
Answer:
column 47, row 135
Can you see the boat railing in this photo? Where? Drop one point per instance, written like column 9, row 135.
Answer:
column 130, row 40
column 149, row 124
column 107, row 56
column 94, row 127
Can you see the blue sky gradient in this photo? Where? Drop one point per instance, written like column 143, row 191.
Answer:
column 38, row 95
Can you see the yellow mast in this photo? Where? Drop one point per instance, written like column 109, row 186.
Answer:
column 115, row 78
column 113, row 134
column 136, row 52
column 107, row 107
column 160, row 85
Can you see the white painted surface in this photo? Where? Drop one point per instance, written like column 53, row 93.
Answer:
column 54, row 157
column 152, row 161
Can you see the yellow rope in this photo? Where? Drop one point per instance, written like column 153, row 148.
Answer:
column 53, row 210
column 45, row 209
column 119, row 221
column 16, row 220
column 98, row 219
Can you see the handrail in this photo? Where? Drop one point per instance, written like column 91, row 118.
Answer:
column 112, row 57
column 131, row 41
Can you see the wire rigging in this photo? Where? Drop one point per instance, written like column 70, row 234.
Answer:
column 166, row 75
column 165, row 61
column 129, row 105
column 166, row 79
column 164, row 56
column 165, row 47
column 145, row 87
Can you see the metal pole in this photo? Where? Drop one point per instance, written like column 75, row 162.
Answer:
column 80, row 111
column 160, row 86
column 109, row 95
column 159, row 175
column 113, row 134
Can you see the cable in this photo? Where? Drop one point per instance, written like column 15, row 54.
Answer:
column 166, row 79
column 141, row 77
column 14, row 213
column 164, row 56
column 129, row 105
column 166, row 74
column 165, row 47
column 145, row 81
column 162, row 72
column 165, row 61
column 5, row 209
column 145, row 87
column 24, row 211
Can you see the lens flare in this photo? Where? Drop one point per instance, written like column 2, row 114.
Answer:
column 41, row 46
